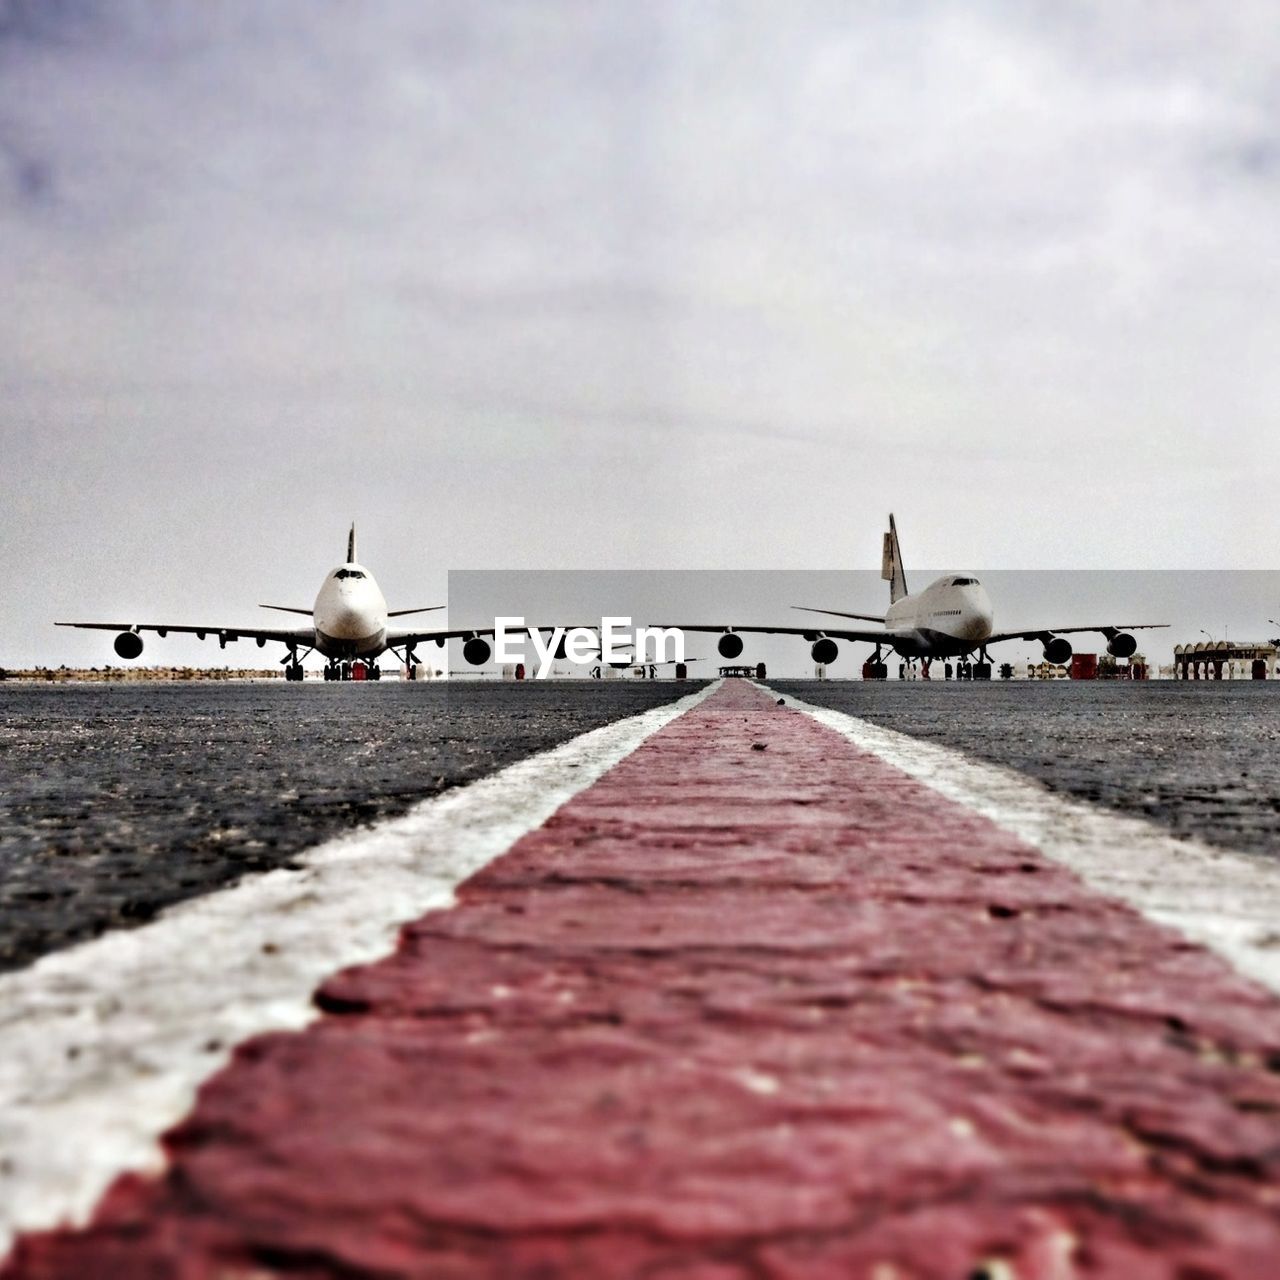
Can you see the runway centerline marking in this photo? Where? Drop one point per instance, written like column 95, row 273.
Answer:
column 103, row 1045
column 758, row 1002
column 1223, row 900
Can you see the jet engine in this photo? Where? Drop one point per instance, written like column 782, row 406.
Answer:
column 1122, row 645
column 476, row 651
column 128, row 644
column 1057, row 650
column 729, row 644
column 825, row 650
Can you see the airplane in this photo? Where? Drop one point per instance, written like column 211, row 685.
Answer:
column 348, row 625
column 951, row 618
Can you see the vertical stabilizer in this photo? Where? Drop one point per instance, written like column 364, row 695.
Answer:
column 891, row 566
column 351, row 544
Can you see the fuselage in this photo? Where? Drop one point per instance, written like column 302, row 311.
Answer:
column 350, row 615
column 951, row 617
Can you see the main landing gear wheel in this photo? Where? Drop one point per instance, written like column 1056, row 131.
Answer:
column 874, row 669
column 293, row 671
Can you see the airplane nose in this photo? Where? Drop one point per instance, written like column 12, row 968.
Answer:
column 348, row 624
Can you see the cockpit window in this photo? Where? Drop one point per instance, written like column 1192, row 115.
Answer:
column 964, row 582
column 348, row 573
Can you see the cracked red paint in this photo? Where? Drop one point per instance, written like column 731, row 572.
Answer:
column 739, row 1013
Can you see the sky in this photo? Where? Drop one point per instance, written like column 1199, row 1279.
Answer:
column 607, row 285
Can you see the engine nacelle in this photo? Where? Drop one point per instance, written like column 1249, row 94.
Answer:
column 1057, row 651
column 825, row 650
column 128, row 644
column 476, row 651
column 1122, row 645
column 730, row 645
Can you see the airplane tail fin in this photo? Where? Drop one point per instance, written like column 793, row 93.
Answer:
column 891, row 565
column 351, row 545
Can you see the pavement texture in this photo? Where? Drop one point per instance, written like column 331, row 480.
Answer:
column 1199, row 759
column 117, row 801
column 753, row 1005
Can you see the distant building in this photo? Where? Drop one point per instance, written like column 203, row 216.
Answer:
column 1225, row 660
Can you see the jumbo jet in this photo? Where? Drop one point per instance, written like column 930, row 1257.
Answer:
column 348, row 625
column 951, row 618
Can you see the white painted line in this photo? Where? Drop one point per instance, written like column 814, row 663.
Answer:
column 103, row 1046
column 1228, row 902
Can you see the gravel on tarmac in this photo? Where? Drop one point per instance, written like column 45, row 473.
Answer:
column 117, row 800
column 1199, row 759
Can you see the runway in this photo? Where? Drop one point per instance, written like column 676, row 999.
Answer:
column 736, row 987
column 117, row 801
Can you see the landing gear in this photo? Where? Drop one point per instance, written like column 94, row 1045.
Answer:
column 980, row 670
column 292, row 664
column 875, row 668
column 357, row 670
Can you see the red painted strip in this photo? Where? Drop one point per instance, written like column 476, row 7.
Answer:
column 739, row 1013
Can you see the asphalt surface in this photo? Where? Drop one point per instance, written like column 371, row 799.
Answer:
column 116, row 801
column 1199, row 759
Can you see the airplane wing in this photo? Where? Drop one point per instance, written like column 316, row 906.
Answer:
column 809, row 633
column 835, row 613
column 224, row 635
column 1046, row 633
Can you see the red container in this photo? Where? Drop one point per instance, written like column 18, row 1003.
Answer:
column 1084, row 666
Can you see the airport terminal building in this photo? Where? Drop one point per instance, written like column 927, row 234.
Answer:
column 1225, row 660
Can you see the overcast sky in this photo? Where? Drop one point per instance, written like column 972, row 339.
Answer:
column 624, row 285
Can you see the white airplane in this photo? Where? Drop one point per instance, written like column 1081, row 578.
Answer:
column 951, row 618
column 348, row 624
